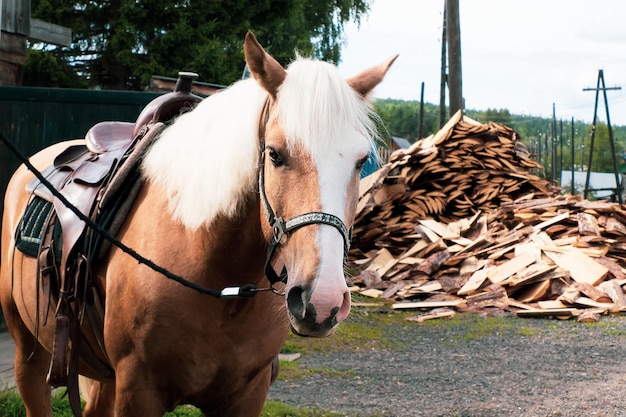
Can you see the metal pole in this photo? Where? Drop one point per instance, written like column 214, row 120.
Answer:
column 611, row 140
column 593, row 135
column 602, row 88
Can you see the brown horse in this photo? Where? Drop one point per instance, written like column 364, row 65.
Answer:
column 216, row 185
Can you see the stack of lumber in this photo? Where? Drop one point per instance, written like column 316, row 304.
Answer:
column 525, row 249
column 465, row 168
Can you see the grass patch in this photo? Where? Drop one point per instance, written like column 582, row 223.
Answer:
column 364, row 329
column 350, row 335
column 278, row 409
column 11, row 406
column 468, row 327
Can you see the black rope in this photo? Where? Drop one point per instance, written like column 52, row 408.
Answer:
column 228, row 292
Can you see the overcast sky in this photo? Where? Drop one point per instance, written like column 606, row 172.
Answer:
column 519, row 55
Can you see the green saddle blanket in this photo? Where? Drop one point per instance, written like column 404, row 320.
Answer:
column 32, row 229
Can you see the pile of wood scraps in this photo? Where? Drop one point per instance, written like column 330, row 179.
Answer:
column 525, row 249
column 465, row 168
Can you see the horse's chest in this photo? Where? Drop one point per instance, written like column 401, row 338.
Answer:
column 217, row 350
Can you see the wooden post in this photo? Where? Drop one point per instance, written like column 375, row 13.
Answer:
column 444, row 74
column 553, row 144
column 571, row 144
column 454, row 56
column 17, row 27
column 420, row 128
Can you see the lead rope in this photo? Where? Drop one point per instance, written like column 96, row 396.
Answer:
column 249, row 290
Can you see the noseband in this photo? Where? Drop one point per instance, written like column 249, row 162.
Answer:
column 281, row 228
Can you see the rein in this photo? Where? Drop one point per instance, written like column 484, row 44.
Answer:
column 229, row 292
column 281, row 228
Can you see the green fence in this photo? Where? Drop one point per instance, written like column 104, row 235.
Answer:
column 33, row 118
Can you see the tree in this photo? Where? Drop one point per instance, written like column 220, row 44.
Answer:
column 120, row 44
column 401, row 117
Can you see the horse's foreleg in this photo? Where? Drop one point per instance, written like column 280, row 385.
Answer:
column 32, row 362
column 100, row 398
column 134, row 394
column 249, row 402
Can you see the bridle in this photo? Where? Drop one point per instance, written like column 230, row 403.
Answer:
column 281, row 228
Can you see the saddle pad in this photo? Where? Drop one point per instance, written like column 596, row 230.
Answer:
column 33, row 225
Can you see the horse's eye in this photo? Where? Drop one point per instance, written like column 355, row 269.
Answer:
column 275, row 157
column 361, row 163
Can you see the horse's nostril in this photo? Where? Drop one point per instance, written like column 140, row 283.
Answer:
column 296, row 303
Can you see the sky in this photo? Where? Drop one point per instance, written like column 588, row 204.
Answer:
column 524, row 56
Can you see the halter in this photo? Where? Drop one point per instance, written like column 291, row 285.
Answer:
column 281, row 228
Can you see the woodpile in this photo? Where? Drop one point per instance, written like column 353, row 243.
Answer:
column 458, row 222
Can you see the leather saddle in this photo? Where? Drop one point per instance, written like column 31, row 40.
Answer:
column 101, row 179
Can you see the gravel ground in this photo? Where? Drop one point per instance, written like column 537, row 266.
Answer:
column 472, row 367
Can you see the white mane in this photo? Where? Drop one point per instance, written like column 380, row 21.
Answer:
column 315, row 107
column 206, row 161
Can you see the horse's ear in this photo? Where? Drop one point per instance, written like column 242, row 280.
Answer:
column 263, row 67
column 365, row 82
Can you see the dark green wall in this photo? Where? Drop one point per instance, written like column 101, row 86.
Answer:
column 33, row 118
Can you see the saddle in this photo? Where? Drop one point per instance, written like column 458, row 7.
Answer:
column 101, row 179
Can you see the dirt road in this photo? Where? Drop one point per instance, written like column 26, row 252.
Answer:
column 506, row 367
column 465, row 367
column 7, row 352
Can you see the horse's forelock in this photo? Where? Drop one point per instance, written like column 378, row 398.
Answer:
column 316, row 107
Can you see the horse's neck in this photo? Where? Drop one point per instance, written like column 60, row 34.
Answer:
column 230, row 251
column 238, row 244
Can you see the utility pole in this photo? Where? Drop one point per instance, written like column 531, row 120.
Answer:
column 601, row 86
column 572, row 151
column 420, row 128
column 553, row 144
column 454, row 56
column 560, row 149
column 444, row 72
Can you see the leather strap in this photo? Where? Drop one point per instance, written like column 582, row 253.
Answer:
column 281, row 227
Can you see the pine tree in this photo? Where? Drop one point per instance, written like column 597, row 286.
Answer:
column 120, row 44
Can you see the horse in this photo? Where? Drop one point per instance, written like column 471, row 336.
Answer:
column 272, row 158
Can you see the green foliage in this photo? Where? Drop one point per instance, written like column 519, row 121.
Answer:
column 46, row 70
column 120, row 44
column 402, row 117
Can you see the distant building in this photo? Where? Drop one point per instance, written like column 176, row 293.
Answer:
column 601, row 184
column 17, row 26
column 384, row 154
